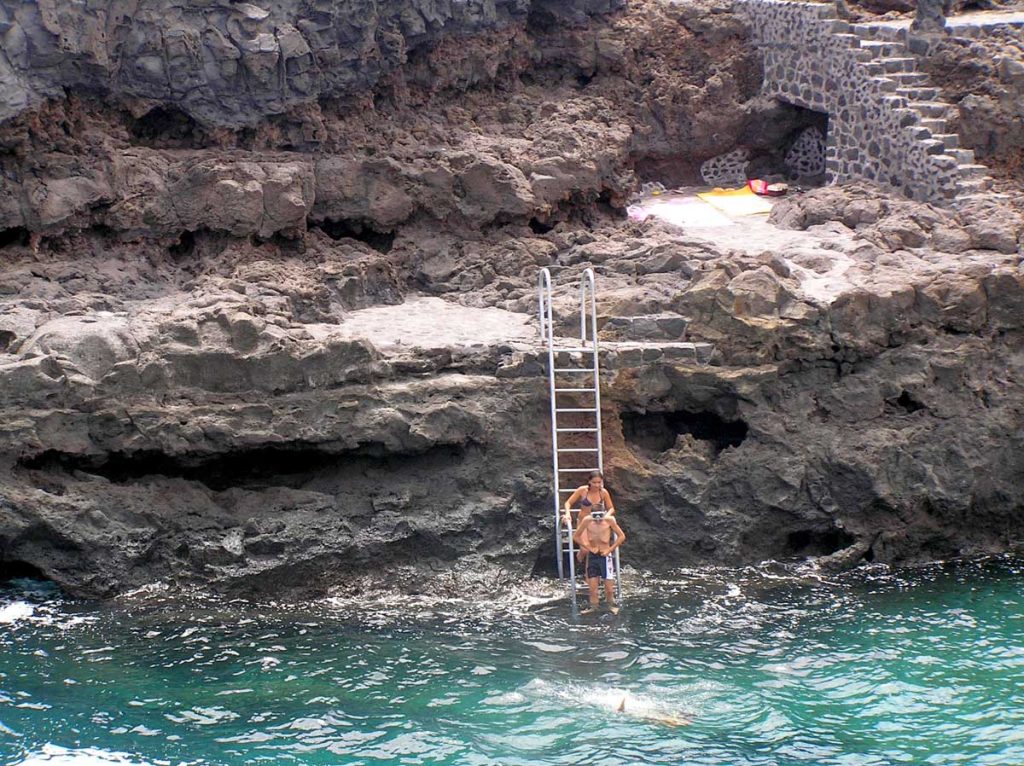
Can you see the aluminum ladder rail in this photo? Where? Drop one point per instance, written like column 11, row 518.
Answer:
column 588, row 345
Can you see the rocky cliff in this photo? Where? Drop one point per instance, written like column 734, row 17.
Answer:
column 266, row 302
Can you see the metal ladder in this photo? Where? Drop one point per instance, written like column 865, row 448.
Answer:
column 575, row 426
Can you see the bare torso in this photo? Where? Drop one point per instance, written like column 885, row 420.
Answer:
column 598, row 537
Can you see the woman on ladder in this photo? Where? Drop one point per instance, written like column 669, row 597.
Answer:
column 591, row 496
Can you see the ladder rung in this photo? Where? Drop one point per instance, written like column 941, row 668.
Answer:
column 573, row 390
column 575, row 409
column 578, row 449
column 570, row 490
column 576, row 430
column 574, row 349
column 575, row 369
column 575, row 470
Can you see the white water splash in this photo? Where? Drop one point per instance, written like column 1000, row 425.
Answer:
column 19, row 610
column 52, row 755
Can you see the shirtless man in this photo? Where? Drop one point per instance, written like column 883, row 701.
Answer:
column 595, row 536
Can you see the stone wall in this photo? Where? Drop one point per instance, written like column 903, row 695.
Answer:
column 810, row 61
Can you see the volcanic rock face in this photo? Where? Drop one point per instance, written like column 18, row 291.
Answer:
column 267, row 323
column 229, row 63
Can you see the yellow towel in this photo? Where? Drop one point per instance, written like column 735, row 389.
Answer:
column 737, row 201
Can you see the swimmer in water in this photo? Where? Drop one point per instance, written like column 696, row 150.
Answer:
column 651, row 715
column 599, row 534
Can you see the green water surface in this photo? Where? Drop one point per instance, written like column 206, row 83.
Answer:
column 773, row 666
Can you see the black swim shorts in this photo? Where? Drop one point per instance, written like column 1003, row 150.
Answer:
column 600, row 566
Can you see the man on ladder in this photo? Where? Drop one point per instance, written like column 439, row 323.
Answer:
column 600, row 536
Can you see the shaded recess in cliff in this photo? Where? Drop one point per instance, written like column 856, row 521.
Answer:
column 16, row 235
column 361, row 231
column 652, row 433
column 818, row 542
column 904, row 403
column 16, row 570
column 252, row 468
column 166, row 127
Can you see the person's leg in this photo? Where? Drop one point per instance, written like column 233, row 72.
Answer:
column 594, row 602
column 609, row 595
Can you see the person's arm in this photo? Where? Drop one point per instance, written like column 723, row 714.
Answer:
column 581, row 532
column 573, row 498
column 620, row 536
column 609, row 505
column 566, row 515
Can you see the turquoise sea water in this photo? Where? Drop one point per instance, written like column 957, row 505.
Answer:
column 772, row 665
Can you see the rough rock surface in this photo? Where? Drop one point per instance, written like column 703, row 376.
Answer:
column 228, row 63
column 286, row 355
column 984, row 77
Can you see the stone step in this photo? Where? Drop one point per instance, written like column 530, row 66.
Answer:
column 885, row 84
column 963, row 156
column 838, row 26
column 891, row 65
column 908, row 118
column 918, row 93
column 896, row 102
column 934, row 124
column 877, row 32
column 872, row 47
column 972, row 170
column 943, row 162
column 917, row 132
column 910, row 78
column 881, row 49
column 951, row 140
column 852, row 40
column 899, row 64
column 934, row 109
column 932, row 146
column 644, row 327
column 967, row 186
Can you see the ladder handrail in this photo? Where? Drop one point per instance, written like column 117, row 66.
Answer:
column 544, row 305
column 587, row 281
column 547, row 333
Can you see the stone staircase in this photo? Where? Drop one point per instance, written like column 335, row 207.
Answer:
column 886, row 121
column 884, row 52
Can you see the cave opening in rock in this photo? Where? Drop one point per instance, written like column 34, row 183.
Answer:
column 253, row 468
column 656, row 432
column 905, row 403
column 818, row 542
column 538, row 226
column 351, row 228
column 184, row 247
column 787, row 143
column 17, row 236
column 18, row 570
column 165, row 127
